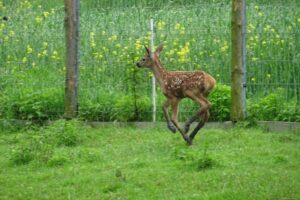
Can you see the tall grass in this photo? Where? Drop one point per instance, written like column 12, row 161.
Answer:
column 196, row 37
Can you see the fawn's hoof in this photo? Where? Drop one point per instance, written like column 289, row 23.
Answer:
column 171, row 127
column 188, row 141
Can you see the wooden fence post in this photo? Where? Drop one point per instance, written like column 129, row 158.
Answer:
column 238, row 60
column 72, row 57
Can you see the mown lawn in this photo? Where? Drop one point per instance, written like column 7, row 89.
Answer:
column 68, row 160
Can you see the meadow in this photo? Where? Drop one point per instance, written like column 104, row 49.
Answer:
column 70, row 160
column 196, row 37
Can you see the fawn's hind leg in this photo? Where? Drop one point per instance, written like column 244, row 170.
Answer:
column 203, row 114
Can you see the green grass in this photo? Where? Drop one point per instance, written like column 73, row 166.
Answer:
column 134, row 163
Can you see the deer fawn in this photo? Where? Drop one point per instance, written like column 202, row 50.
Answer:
column 177, row 85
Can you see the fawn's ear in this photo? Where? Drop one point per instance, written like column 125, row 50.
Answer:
column 147, row 49
column 159, row 48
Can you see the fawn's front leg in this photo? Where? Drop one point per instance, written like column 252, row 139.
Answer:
column 174, row 105
column 170, row 125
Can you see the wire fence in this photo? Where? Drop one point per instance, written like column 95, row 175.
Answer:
column 196, row 36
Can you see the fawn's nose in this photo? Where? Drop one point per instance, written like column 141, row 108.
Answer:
column 138, row 64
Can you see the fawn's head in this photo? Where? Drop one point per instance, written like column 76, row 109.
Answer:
column 149, row 58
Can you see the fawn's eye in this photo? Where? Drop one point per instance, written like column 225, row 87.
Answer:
column 143, row 59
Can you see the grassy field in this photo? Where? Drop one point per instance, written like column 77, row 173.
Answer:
column 196, row 35
column 67, row 160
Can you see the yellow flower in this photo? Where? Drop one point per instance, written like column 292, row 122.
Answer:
column 113, row 38
column 177, row 26
column 45, row 44
column 182, row 30
column 225, row 47
column 55, row 55
column 161, row 25
column 253, row 79
column 46, row 14
column 251, row 27
column 2, row 26
column 99, row 56
column 138, row 44
column 267, row 28
column 24, row 60
column 183, row 53
column 45, row 53
column 29, row 49
column 268, row 76
column 11, row 33
column 92, row 40
column 217, row 41
column 38, row 19
column 298, row 19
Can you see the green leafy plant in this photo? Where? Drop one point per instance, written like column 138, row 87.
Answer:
column 221, row 103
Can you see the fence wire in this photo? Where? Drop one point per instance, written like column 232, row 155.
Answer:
column 196, row 36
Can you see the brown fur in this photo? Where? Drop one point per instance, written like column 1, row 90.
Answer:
column 177, row 85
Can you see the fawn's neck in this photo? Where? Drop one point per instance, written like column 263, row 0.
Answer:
column 159, row 71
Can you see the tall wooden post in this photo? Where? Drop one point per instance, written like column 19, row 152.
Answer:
column 72, row 57
column 238, row 60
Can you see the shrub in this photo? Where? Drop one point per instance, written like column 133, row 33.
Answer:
column 30, row 104
column 58, row 159
column 116, row 107
column 66, row 133
column 22, row 154
column 40, row 145
column 38, row 148
column 274, row 107
column 221, row 103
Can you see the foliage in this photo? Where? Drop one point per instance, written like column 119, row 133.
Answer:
column 274, row 107
column 221, row 103
column 31, row 104
column 112, row 37
column 40, row 145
